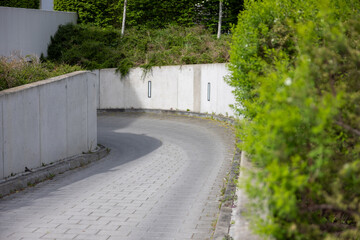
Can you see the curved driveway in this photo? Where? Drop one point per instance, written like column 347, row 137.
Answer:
column 162, row 180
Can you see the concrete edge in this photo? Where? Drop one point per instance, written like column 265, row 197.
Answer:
column 224, row 219
column 41, row 82
column 174, row 65
column 23, row 180
column 241, row 227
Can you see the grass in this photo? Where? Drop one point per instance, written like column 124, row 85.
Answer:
column 16, row 70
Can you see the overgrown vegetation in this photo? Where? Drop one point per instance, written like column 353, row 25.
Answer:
column 295, row 66
column 16, row 71
column 95, row 48
column 157, row 33
column 153, row 14
column 20, row 3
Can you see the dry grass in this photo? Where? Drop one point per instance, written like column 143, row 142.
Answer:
column 17, row 70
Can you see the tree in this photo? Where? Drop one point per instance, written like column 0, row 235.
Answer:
column 158, row 14
column 207, row 13
column 155, row 14
column 220, row 18
column 123, row 20
column 102, row 13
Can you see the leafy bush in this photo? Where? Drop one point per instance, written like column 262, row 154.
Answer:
column 94, row 48
column 16, row 71
column 295, row 68
column 21, row 3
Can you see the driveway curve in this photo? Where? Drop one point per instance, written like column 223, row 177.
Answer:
column 161, row 180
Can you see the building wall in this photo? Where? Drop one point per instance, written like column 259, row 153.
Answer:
column 47, row 5
column 28, row 31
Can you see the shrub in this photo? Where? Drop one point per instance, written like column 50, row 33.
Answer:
column 295, row 69
column 21, row 3
column 93, row 47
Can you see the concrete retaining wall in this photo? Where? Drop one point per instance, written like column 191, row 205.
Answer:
column 28, row 30
column 47, row 121
column 172, row 87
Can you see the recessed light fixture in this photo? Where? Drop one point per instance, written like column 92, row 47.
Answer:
column 149, row 89
column 208, row 91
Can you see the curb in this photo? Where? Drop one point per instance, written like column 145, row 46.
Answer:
column 224, row 220
column 24, row 180
column 241, row 228
column 229, row 120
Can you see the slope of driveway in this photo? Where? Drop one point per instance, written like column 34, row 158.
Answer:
column 161, row 180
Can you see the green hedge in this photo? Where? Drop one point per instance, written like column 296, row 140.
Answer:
column 295, row 67
column 21, row 3
column 100, row 12
column 153, row 14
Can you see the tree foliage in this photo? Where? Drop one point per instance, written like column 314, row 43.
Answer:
column 153, row 14
column 98, row 12
column 207, row 13
column 21, row 3
column 295, row 69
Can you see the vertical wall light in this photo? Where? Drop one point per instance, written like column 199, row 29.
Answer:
column 149, row 89
column 208, row 91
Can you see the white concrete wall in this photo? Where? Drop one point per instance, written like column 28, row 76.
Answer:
column 47, row 121
column 29, row 30
column 173, row 87
column 21, row 130
column 185, row 92
column 220, row 92
column 111, row 93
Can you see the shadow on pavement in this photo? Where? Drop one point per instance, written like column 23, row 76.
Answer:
column 125, row 148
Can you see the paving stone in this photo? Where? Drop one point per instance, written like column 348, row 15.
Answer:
column 19, row 235
column 120, row 233
column 46, row 230
column 59, row 236
column 91, row 237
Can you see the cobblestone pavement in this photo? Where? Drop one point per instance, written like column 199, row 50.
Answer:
column 161, row 180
